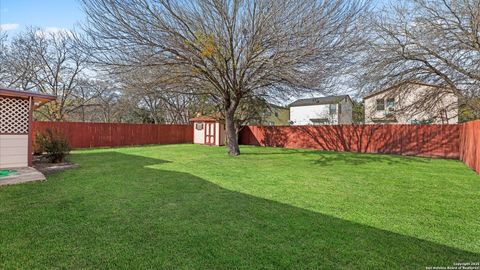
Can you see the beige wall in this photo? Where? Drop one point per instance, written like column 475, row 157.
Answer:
column 414, row 103
column 198, row 135
column 346, row 116
column 13, row 151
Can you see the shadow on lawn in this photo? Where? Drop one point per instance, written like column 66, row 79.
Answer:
column 145, row 217
column 327, row 158
column 284, row 151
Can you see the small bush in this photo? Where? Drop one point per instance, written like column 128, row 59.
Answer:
column 54, row 143
column 40, row 141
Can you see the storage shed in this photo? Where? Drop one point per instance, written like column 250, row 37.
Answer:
column 208, row 130
column 16, row 109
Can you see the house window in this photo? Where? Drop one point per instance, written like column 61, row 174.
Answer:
column 391, row 104
column 332, row 109
column 199, row 126
column 380, row 104
column 339, row 108
column 276, row 114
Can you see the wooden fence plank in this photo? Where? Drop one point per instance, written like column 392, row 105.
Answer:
column 469, row 144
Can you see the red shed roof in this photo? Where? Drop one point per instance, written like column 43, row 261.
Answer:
column 203, row 118
column 207, row 118
column 38, row 99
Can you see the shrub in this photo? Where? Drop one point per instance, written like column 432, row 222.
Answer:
column 54, row 143
column 38, row 146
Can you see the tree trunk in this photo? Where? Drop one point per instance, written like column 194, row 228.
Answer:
column 232, row 138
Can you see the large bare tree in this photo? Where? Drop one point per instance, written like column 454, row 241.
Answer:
column 228, row 49
column 165, row 102
column 435, row 42
column 47, row 63
column 17, row 64
column 3, row 58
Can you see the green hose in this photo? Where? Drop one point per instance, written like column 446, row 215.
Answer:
column 5, row 173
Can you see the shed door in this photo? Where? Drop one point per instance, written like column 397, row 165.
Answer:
column 210, row 133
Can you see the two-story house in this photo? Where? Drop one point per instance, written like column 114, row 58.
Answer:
column 331, row 110
column 412, row 103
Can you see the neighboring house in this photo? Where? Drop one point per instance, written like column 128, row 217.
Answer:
column 412, row 103
column 331, row 110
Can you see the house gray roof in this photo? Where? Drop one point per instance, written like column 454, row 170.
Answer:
column 318, row 101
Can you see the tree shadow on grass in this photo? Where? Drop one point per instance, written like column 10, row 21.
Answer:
column 124, row 211
column 330, row 158
column 327, row 158
column 281, row 151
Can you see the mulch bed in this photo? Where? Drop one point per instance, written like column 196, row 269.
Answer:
column 42, row 164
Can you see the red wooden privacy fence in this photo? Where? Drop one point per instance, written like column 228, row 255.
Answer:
column 86, row 135
column 470, row 144
column 415, row 140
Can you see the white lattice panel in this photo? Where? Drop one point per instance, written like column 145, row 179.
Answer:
column 14, row 115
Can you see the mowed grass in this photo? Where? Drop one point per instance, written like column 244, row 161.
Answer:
column 193, row 207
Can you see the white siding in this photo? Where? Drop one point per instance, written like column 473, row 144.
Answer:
column 217, row 133
column 13, row 151
column 198, row 135
column 302, row 115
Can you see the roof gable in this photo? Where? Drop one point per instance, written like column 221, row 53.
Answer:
column 318, row 101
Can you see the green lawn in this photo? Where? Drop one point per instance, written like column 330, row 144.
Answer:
column 193, row 207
